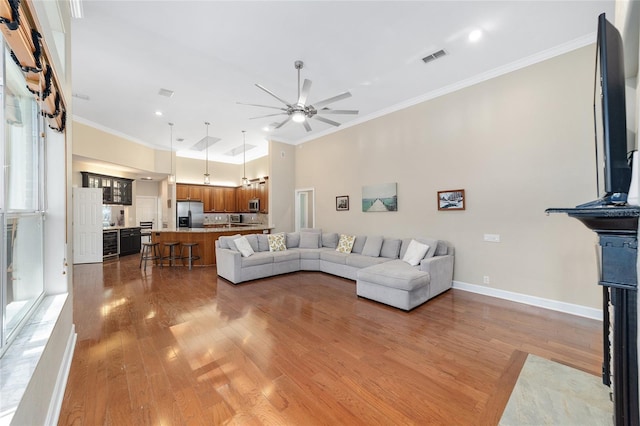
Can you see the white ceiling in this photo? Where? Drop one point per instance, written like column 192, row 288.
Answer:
column 211, row 53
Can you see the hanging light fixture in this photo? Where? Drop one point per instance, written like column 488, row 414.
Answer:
column 171, row 178
column 207, row 180
column 245, row 181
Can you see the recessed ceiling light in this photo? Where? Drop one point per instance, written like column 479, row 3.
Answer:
column 158, row 113
column 266, row 128
column 475, row 35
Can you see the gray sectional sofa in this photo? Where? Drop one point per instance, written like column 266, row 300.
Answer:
column 375, row 263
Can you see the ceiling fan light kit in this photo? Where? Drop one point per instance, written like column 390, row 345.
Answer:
column 300, row 111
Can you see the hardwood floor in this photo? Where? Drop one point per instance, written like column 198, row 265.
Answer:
column 174, row 346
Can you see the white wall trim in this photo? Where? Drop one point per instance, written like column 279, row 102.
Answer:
column 55, row 405
column 554, row 305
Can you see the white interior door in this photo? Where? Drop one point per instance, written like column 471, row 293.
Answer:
column 87, row 225
column 305, row 209
column 147, row 210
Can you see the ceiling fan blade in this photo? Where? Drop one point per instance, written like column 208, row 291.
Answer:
column 326, row 120
column 338, row 111
column 304, row 93
column 273, row 94
column 336, row 98
column 268, row 115
column 306, row 125
column 262, row 106
column 283, row 123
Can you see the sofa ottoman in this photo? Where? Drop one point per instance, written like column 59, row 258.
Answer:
column 394, row 283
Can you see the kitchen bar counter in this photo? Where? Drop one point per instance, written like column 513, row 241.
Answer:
column 205, row 237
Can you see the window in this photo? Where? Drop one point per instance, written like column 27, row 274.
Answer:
column 21, row 202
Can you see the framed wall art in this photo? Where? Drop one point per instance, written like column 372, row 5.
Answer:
column 342, row 202
column 380, row 198
column 452, row 199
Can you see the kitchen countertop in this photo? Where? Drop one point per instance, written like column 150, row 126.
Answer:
column 211, row 229
column 116, row 228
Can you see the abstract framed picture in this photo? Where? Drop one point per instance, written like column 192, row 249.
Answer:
column 342, row 203
column 452, row 199
column 380, row 198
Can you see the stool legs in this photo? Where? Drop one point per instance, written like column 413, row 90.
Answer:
column 191, row 256
column 150, row 251
column 172, row 256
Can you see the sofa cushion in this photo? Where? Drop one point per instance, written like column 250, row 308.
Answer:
column 315, row 231
column 433, row 244
column 309, row 254
column 243, row 246
column 225, row 240
column 263, row 242
column 345, row 243
column 362, row 261
column 293, row 239
column 309, row 240
column 396, row 274
column 390, row 248
column 260, row 258
column 358, row 244
column 253, row 240
column 442, row 249
column 284, row 256
column 372, row 246
column 415, row 253
column 330, row 240
column 334, row 256
column 276, row 242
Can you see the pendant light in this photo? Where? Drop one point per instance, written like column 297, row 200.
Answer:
column 207, row 180
column 245, row 181
column 171, row 178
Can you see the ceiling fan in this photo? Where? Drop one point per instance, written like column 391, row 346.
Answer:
column 301, row 110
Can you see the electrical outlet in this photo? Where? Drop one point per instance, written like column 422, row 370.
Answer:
column 486, row 279
column 492, row 238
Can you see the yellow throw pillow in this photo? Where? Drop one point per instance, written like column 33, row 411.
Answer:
column 345, row 244
column 276, row 242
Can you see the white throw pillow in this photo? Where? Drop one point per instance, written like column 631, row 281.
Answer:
column 415, row 252
column 243, row 246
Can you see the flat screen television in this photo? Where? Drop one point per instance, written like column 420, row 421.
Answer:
column 612, row 154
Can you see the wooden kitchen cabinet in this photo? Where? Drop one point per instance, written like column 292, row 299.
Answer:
column 230, row 200
column 207, row 198
column 189, row 192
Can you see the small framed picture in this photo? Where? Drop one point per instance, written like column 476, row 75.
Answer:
column 342, row 202
column 452, row 199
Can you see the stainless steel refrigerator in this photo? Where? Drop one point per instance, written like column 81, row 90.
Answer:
column 190, row 214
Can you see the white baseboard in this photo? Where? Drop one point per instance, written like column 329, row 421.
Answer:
column 55, row 405
column 569, row 308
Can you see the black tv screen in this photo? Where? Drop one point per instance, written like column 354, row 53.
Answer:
column 614, row 173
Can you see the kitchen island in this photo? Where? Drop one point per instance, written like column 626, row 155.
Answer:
column 205, row 237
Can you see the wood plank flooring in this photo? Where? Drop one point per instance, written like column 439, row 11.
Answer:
column 180, row 347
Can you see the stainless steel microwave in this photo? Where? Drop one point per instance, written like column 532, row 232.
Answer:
column 254, row 205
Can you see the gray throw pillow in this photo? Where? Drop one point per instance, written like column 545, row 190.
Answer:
column 390, row 248
column 263, row 242
column 442, row 249
column 309, row 240
column 372, row 246
column 358, row 244
column 225, row 242
column 330, row 240
column 315, row 231
column 253, row 241
column 293, row 239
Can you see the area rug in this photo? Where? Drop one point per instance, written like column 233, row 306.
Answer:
column 548, row 393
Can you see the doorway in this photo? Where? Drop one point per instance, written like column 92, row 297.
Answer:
column 147, row 210
column 305, row 210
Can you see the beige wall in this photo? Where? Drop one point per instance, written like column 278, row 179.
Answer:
column 517, row 144
column 94, row 143
column 190, row 170
column 281, row 186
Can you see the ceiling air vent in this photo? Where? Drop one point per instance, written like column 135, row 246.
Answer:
column 165, row 92
column 238, row 150
column 205, row 143
column 440, row 53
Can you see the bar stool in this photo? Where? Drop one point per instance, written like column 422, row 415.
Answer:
column 172, row 256
column 191, row 255
column 150, row 251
